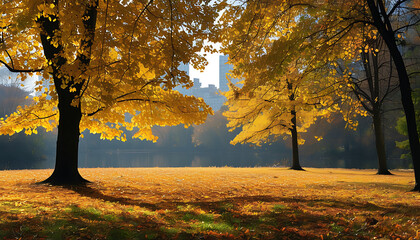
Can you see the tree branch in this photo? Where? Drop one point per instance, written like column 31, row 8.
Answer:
column 12, row 69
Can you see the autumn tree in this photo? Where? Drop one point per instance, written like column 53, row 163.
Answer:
column 373, row 82
column 287, row 82
column 378, row 56
column 282, row 92
column 383, row 16
column 411, row 49
column 287, row 106
column 106, row 66
column 333, row 34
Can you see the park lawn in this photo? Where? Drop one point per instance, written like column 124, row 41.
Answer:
column 211, row 203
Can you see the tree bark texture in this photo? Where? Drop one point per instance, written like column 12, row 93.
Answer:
column 372, row 71
column 380, row 143
column 293, row 131
column 69, row 107
column 383, row 24
column 66, row 167
column 295, row 146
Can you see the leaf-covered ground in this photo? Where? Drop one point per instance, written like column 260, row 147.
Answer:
column 211, row 203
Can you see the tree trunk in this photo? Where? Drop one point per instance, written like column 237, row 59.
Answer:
column 66, row 165
column 380, row 143
column 409, row 111
column 385, row 29
column 295, row 146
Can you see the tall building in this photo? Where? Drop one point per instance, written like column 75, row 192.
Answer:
column 224, row 69
column 209, row 94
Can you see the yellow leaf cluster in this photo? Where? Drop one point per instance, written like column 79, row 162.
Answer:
column 121, row 76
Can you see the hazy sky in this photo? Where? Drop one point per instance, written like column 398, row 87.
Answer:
column 210, row 74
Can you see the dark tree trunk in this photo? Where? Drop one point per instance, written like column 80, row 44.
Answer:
column 380, row 144
column 293, row 130
column 66, row 166
column 382, row 23
column 295, row 146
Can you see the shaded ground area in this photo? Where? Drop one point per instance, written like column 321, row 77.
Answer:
column 211, row 203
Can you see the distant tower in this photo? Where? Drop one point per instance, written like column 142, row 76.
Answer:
column 224, row 69
column 186, row 69
column 197, row 83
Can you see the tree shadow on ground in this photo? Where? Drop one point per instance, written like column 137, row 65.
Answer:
column 349, row 204
column 287, row 218
column 290, row 221
column 372, row 185
column 91, row 192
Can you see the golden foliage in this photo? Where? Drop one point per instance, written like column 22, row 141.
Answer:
column 284, row 59
column 302, row 49
column 128, row 64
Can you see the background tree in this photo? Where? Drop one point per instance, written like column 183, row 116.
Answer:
column 383, row 17
column 411, row 52
column 19, row 151
column 213, row 133
column 333, row 33
column 373, row 82
column 106, row 66
column 402, row 125
column 288, row 80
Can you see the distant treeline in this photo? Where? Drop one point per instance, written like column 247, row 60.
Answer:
column 203, row 145
column 20, row 151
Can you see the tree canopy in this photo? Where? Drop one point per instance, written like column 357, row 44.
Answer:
column 105, row 66
column 134, row 49
column 322, row 35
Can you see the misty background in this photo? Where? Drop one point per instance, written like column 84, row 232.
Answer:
column 204, row 145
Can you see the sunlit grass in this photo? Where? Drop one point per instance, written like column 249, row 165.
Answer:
column 211, row 203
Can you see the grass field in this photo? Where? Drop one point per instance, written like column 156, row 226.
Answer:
column 211, row 203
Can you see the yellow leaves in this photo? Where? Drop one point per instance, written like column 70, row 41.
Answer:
column 113, row 54
column 145, row 133
column 145, row 73
column 146, row 108
column 42, row 113
column 31, row 131
column 128, row 67
column 183, row 199
column 318, row 138
column 264, row 104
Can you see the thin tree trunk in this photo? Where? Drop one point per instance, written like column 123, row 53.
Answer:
column 295, row 146
column 380, row 144
column 385, row 29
